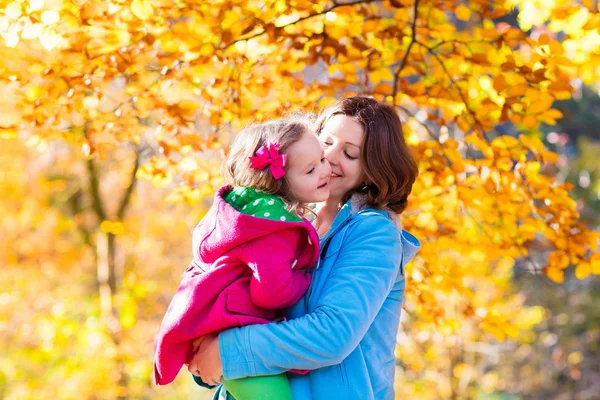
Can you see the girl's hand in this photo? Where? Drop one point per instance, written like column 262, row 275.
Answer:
column 206, row 363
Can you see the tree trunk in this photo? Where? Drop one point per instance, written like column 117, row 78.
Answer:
column 106, row 251
column 107, row 285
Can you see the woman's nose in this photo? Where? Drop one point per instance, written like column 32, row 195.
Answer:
column 331, row 156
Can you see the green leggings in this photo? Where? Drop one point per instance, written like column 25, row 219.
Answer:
column 275, row 387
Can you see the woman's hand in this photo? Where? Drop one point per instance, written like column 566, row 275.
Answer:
column 206, row 362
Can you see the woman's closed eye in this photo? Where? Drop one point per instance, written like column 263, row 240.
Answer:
column 310, row 171
column 349, row 156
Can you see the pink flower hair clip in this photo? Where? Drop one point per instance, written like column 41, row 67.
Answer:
column 271, row 157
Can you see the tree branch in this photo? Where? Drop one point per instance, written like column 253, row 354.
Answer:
column 130, row 188
column 335, row 5
column 74, row 205
column 405, row 58
column 453, row 83
column 423, row 124
column 95, row 190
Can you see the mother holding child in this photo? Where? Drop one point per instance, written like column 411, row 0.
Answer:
column 275, row 307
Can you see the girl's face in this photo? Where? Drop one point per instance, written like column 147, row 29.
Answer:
column 307, row 170
column 342, row 138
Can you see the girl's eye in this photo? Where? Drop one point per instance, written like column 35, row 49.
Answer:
column 322, row 160
column 311, row 171
column 349, row 156
column 327, row 143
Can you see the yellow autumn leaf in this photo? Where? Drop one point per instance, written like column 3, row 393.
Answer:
column 463, row 12
column 91, row 103
column 8, row 133
column 517, row 90
column 558, row 259
column 142, row 9
column 534, row 144
column 552, row 113
column 479, row 143
column 543, row 39
column 560, row 87
column 371, row 25
column 114, row 227
column 50, row 17
column 382, row 74
column 188, row 105
column 384, row 88
column 595, row 263
column 529, row 121
column 531, row 317
column 34, row 93
column 104, row 41
column 505, row 142
column 516, row 119
column 161, row 179
column 493, row 329
column 499, row 83
column 583, row 270
column 201, row 72
column 270, row 106
column 540, row 105
column 128, row 314
column 175, row 196
column 549, row 156
column 555, row 274
column 192, row 196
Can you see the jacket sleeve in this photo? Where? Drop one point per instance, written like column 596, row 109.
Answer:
column 275, row 283
column 361, row 279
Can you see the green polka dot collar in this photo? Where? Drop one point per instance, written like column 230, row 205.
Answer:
column 259, row 204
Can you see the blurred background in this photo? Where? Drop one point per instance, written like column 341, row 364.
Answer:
column 97, row 212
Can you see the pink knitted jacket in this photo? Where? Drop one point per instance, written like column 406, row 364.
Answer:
column 244, row 271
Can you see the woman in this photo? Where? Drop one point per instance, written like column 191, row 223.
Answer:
column 344, row 329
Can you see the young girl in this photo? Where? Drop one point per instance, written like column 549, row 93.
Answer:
column 252, row 250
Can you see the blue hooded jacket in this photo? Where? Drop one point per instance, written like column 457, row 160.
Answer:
column 344, row 328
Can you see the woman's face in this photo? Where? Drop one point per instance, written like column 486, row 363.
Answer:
column 342, row 138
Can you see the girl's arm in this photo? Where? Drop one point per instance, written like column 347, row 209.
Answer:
column 275, row 284
column 362, row 277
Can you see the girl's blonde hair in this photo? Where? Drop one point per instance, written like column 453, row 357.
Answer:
column 285, row 132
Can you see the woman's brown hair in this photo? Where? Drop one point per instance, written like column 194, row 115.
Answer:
column 389, row 166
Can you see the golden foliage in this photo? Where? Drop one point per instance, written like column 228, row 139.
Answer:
column 178, row 78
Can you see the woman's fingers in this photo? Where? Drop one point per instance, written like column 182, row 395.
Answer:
column 193, row 369
column 211, row 380
column 206, row 362
column 196, row 342
column 203, row 364
column 214, row 380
